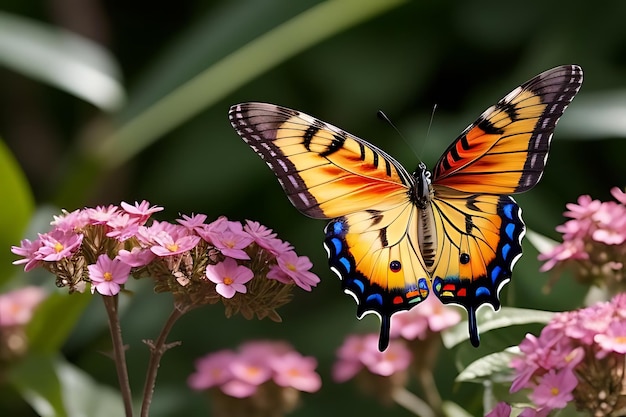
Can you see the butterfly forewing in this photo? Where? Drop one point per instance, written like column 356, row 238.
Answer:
column 505, row 150
column 324, row 171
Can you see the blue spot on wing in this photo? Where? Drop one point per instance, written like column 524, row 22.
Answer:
column 377, row 298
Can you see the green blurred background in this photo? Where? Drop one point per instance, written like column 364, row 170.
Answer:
column 339, row 61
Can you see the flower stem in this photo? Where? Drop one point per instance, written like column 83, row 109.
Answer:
column 119, row 352
column 412, row 403
column 157, row 349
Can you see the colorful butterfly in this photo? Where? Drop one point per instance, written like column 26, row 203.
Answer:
column 394, row 236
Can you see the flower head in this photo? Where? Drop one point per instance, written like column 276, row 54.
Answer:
column 294, row 268
column 229, row 277
column 107, row 275
column 16, row 307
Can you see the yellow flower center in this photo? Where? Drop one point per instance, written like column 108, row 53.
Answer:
column 108, row 276
column 291, row 267
column 252, row 370
column 620, row 339
column 58, row 247
column 173, row 247
column 554, row 391
column 228, row 280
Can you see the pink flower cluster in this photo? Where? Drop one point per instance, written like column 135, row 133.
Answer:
column 17, row 306
column 572, row 358
column 119, row 240
column 502, row 409
column 256, row 363
column 593, row 223
column 360, row 352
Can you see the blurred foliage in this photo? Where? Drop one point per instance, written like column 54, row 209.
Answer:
column 340, row 61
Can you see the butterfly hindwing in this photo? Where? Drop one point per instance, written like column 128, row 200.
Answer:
column 376, row 254
column 479, row 241
column 505, row 150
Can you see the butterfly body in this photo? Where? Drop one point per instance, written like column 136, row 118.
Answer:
column 395, row 237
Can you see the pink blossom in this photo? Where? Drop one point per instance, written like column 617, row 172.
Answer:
column 107, row 275
column 70, row 221
column 555, row 389
column 231, row 243
column 136, row 257
column 167, row 245
column 17, row 307
column 348, row 363
column 294, row 370
column 122, row 226
column 29, row 250
column 102, row 214
column 142, row 211
column 501, row 409
column 619, row 195
column 194, row 223
column 296, row 268
column 431, row 315
column 229, row 277
column 397, row 357
column 58, row 244
column 614, row 339
column 212, row 370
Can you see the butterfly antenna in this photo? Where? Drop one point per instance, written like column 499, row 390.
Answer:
column 382, row 116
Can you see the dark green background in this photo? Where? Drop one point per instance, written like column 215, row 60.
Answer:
column 461, row 56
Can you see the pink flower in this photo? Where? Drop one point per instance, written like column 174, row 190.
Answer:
column 58, row 244
column 71, row 221
column 107, row 275
column 297, row 371
column 142, row 211
column 296, row 268
column 194, row 223
column 614, row 339
column 348, row 363
column 619, row 195
column 29, row 250
column 167, row 245
column 212, row 370
column 16, row 307
column 555, row 389
column 231, row 243
column 137, row 256
column 229, row 277
column 102, row 214
column 122, row 226
column 501, row 409
column 430, row 314
column 397, row 357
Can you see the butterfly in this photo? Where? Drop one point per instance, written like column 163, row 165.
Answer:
column 394, row 237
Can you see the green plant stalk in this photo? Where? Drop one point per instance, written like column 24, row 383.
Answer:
column 241, row 66
column 119, row 355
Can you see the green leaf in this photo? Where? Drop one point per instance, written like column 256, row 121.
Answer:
column 490, row 320
column 60, row 58
column 54, row 319
column 16, row 207
column 56, row 388
column 36, row 380
column 491, row 367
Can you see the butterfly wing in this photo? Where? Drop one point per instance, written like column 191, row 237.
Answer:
column 479, row 241
column 479, row 227
column 328, row 173
column 505, row 150
column 325, row 171
column 376, row 254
